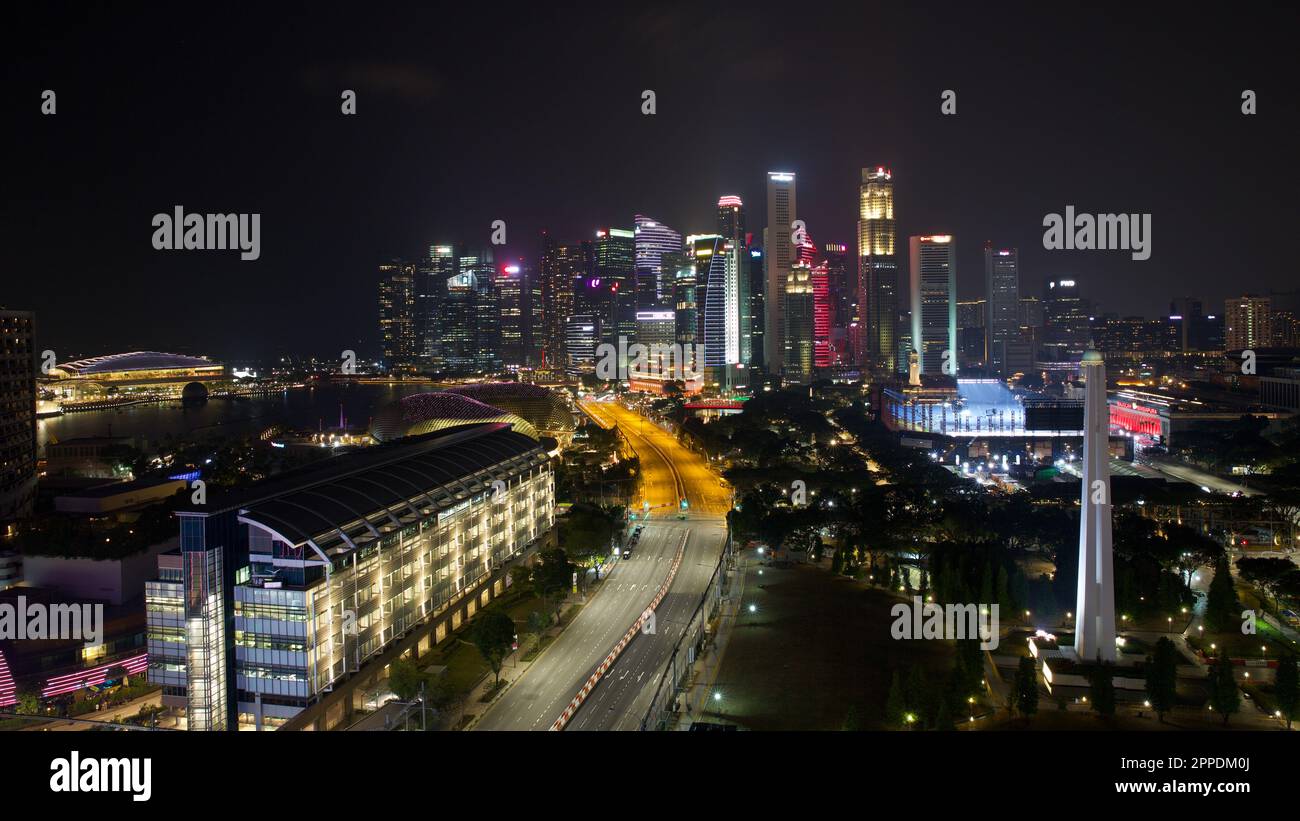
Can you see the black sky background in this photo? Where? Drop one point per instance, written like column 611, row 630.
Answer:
column 531, row 115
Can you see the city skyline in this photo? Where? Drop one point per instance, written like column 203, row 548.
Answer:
column 953, row 176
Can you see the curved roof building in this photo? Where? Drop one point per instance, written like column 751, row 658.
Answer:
column 422, row 413
column 544, row 409
column 139, row 366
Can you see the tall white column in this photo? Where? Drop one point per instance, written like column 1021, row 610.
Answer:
column 1094, row 635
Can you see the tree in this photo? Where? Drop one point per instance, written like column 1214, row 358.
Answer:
column 837, row 561
column 493, row 633
column 1224, row 696
column 1101, row 689
column 538, row 621
column 943, row 719
column 404, row 679
column 1221, row 606
column 1267, row 573
column 552, row 577
column 853, row 720
column 1162, row 677
column 896, row 704
column 1027, row 687
column 1286, row 688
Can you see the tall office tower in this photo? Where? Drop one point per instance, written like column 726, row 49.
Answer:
column 580, row 261
column 934, row 302
column 878, row 303
column 471, row 331
column 513, row 293
column 731, row 219
column 653, row 242
column 616, row 269
column 842, row 281
column 798, row 334
column 17, row 415
column 430, row 290
column 1248, row 322
column 686, row 285
column 823, row 352
column 557, row 282
column 779, row 257
column 719, row 292
column 1001, row 304
column 1094, row 635
column 397, row 317
column 757, row 302
column 1031, row 312
column 1066, row 327
column 583, row 334
column 971, row 333
column 534, row 317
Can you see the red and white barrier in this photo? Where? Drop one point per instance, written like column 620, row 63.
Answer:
column 623, row 642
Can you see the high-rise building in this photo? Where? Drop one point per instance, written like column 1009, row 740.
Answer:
column 582, row 335
column 430, row 292
column 934, row 302
column 686, row 282
column 557, row 280
column 779, row 253
column 615, row 251
column 1248, row 322
column 731, row 219
column 471, row 333
column 1066, row 323
column 719, row 294
column 1002, row 304
column 878, row 302
column 397, row 317
column 516, row 292
column 653, row 241
column 17, row 415
column 842, row 284
column 757, row 313
column 798, row 333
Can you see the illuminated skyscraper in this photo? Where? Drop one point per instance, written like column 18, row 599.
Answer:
column 799, row 320
column 397, row 316
column 1248, row 323
column 431, row 290
column 519, row 295
column 615, row 251
column 1002, row 304
column 731, row 219
column 719, row 293
column 653, row 241
column 779, row 257
column 1066, row 324
column 842, row 284
column 557, row 281
column 471, row 334
column 877, row 268
column 934, row 302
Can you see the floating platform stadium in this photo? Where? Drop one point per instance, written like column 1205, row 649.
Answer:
column 984, row 408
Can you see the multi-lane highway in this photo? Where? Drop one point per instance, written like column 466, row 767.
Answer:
column 669, row 473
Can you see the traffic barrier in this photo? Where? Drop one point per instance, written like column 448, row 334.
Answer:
column 609, row 660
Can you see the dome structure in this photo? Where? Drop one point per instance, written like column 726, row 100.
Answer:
column 544, row 409
column 134, row 362
column 427, row 412
column 194, row 392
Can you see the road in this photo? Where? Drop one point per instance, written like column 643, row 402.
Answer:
column 1196, row 476
column 538, row 697
column 669, row 473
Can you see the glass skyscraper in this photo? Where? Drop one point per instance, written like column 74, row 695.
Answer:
column 934, row 302
column 877, row 268
column 1001, row 305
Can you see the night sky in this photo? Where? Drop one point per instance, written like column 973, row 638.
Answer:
column 532, row 115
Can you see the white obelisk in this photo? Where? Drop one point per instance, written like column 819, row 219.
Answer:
column 1094, row 634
